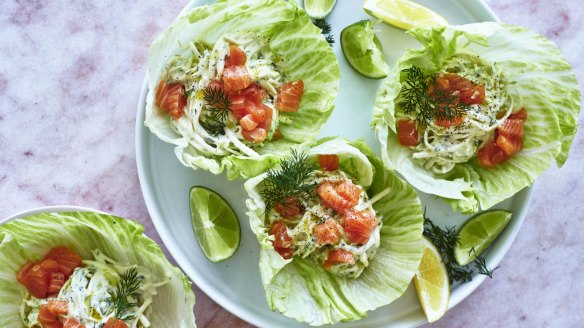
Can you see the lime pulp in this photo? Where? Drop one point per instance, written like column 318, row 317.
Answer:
column 319, row 8
column 215, row 224
column 362, row 50
column 478, row 233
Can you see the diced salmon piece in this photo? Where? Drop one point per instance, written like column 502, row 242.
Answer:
column 235, row 57
column 490, row 155
column 23, row 272
column 256, row 135
column 72, row 323
column 247, row 123
column 331, row 198
column 289, row 208
column 47, row 318
column 267, row 123
column 254, row 93
column 36, row 281
column 468, row 92
column 258, row 112
column 509, row 145
column 280, row 233
column 115, row 323
column 328, row 162
column 473, row 95
column 282, row 241
column 349, row 191
column 327, row 233
column 171, row 98
column 511, row 128
column 289, row 96
column 58, row 307
column 407, row 133
column 338, row 256
column 239, row 106
column 67, row 259
column 236, row 78
column 358, row 226
column 56, row 282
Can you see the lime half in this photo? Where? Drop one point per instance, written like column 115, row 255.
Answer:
column 362, row 50
column 431, row 281
column 403, row 13
column 215, row 223
column 319, row 8
column 478, row 233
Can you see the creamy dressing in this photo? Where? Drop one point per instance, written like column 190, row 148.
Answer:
column 315, row 213
column 203, row 65
column 88, row 292
column 442, row 148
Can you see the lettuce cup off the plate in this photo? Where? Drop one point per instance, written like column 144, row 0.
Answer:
column 234, row 84
column 82, row 268
column 477, row 113
column 347, row 241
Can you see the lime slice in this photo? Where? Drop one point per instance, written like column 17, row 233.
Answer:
column 319, row 8
column 431, row 281
column 478, row 233
column 403, row 13
column 362, row 50
column 215, row 224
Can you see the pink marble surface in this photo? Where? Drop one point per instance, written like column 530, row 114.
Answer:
column 70, row 76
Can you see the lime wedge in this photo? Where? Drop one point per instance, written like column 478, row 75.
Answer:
column 478, row 233
column 215, row 224
column 362, row 50
column 403, row 13
column 319, row 8
column 431, row 281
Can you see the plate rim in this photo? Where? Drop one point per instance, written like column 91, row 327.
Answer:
column 48, row 209
column 496, row 254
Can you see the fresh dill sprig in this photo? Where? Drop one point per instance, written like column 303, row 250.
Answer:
column 481, row 265
column 128, row 286
column 323, row 25
column 218, row 103
column 289, row 180
column 213, row 127
column 218, row 107
column 326, row 29
column 445, row 239
column 417, row 100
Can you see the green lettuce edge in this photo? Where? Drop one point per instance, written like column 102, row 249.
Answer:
column 29, row 238
column 303, row 290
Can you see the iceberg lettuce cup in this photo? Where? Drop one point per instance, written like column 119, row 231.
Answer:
column 477, row 113
column 234, row 84
column 339, row 234
column 111, row 254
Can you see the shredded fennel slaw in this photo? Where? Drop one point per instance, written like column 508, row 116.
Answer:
column 205, row 64
column 442, row 148
column 315, row 213
column 88, row 292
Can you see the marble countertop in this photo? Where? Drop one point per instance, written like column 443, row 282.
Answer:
column 70, row 77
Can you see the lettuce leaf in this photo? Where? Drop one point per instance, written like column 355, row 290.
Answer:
column 303, row 290
column 542, row 81
column 306, row 54
column 23, row 240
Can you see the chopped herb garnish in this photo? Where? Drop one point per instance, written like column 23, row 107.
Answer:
column 421, row 97
column 445, row 239
column 128, row 286
column 289, row 180
column 325, row 28
column 218, row 107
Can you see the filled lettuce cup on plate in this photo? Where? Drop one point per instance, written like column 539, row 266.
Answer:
column 477, row 113
column 339, row 234
column 84, row 269
column 234, row 83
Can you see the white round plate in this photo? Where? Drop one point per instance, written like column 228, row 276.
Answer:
column 235, row 284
